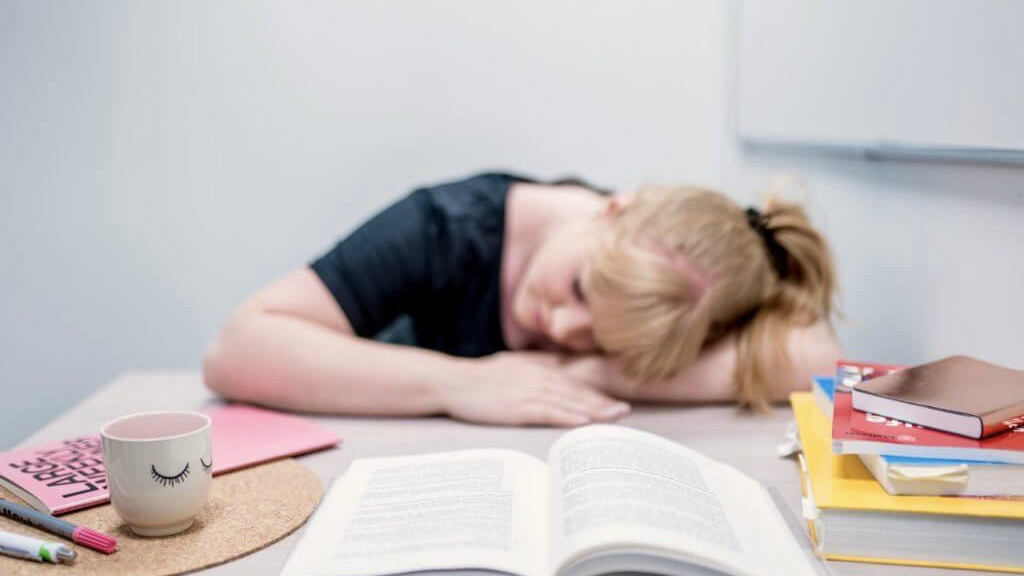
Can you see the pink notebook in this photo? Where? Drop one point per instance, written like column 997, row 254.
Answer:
column 68, row 475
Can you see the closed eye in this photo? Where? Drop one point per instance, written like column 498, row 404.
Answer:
column 577, row 290
column 206, row 467
column 173, row 480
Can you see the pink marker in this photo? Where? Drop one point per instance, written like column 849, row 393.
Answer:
column 78, row 534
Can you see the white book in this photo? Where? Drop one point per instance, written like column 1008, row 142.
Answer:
column 607, row 499
column 934, row 477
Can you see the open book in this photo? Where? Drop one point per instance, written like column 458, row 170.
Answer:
column 608, row 499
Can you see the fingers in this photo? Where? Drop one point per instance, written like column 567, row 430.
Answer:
column 522, row 389
column 554, row 415
column 582, row 398
column 613, row 412
column 544, row 410
column 571, row 410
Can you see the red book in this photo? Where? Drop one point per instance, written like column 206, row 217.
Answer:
column 69, row 475
column 856, row 432
column 849, row 373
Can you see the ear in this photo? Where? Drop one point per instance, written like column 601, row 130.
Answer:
column 616, row 204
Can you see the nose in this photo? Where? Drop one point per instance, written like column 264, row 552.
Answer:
column 570, row 326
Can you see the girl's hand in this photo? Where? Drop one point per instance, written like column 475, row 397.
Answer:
column 523, row 388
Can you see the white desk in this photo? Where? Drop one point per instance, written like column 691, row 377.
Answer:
column 742, row 440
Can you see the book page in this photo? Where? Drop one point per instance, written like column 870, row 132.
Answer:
column 612, row 488
column 471, row 509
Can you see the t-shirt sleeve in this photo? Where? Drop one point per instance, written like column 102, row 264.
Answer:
column 382, row 270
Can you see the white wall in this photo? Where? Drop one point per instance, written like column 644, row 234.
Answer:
column 160, row 162
column 930, row 255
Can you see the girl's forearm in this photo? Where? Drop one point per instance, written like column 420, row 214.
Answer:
column 709, row 379
column 289, row 362
column 812, row 350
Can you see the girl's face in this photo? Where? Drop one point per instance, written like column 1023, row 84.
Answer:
column 551, row 299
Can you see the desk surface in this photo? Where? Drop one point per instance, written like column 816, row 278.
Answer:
column 745, row 441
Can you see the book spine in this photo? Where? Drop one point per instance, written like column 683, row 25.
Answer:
column 1004, row 421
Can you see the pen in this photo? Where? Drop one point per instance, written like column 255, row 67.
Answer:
column 35, row 549
column 79, row 534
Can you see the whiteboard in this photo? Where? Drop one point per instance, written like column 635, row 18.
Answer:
column 898, row 75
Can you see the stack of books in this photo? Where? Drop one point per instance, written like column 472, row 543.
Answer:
column 942, row 485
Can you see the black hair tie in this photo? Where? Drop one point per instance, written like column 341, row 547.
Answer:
column 780, row 258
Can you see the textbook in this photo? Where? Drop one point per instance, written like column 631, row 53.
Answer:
column 936, row 477
column 930, row 476
column 68, row 475
column 857, row 432
column 823, row 390
column 849, row 373
column 607, row 499
column 852, row 518
column 959, row 394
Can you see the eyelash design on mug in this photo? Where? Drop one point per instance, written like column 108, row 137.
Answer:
column 169, row 480
column 206, row 467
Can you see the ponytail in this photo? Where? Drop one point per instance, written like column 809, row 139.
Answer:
column 802, row 295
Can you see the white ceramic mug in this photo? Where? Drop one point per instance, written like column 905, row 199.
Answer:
column 159, row 469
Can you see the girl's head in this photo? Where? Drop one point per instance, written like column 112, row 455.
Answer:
column 667, row 270
column 676, row 268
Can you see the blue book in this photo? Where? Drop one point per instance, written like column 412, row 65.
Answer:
column 823, row 389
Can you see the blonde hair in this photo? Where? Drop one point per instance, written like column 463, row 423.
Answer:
column 678, row 268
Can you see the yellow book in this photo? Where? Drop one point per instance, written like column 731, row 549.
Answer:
column 853, row 518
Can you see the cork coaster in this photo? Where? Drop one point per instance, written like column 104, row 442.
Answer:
column 248, row 510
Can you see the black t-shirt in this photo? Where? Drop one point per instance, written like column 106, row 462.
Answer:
column 434, row 256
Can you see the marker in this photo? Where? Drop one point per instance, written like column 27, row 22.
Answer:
column 35, row 549
column 78, row 534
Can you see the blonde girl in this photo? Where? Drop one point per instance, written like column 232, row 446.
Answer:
column 540, row 303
